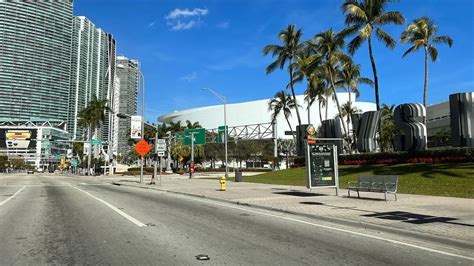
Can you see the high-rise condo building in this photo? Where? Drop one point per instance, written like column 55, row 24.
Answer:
column 128, row 73
column 35, row 59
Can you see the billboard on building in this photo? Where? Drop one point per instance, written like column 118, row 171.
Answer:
column 136, row 127
column 18, row 139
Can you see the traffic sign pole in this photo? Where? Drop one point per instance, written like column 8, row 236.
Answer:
column 156, row 151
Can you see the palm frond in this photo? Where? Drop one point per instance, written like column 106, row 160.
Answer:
column 411, row 50
column 433, row 52
column 355, row 12
column 355, row 44
column 393, row 17
column 273, row 49
column 385, row 38
column 443, row 39
column 366, row 81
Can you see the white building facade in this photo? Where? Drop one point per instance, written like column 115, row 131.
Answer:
column 256, row 112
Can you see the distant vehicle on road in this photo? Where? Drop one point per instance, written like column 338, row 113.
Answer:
column 30, row 172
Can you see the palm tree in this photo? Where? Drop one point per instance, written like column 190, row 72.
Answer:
column 191, row 125
column 308, row 67
column 287, row 53
column 349, row 79
column 91, row 117
column 348, row 111
column 329, row 44
column 176, row 127
column 421, row 33
column 282, row 102
column 364, row 17
column 388, row 129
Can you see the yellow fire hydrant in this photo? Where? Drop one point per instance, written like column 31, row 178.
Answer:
column 222, row 182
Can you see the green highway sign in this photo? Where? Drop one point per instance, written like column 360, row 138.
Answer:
column 199, row 136
column 179, row 136
column 96, row 142
column 221, row 134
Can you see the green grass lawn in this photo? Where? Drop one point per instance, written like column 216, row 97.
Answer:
column 447, row 179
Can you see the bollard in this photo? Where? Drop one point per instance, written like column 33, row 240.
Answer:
column 222, row 182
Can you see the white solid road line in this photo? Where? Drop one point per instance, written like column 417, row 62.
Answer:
column 335, row 229
column 117, row 210
column 12, row 196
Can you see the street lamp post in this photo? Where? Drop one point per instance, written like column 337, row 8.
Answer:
column 143, row 121
column 224, row 99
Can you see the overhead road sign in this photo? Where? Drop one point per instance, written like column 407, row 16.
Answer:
column 199, row 136
column 222, row 134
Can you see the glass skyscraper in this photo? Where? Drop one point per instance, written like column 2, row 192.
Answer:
column 92, row 72
column 35, row 59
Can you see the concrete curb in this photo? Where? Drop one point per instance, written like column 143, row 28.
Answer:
column 340, row 221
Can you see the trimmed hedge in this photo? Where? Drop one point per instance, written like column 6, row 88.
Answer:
column 424, row 156
column 149, row 170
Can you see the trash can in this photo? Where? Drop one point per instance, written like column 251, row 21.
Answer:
column 238, row 175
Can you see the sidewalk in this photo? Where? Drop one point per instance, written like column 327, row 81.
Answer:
column 443, row 217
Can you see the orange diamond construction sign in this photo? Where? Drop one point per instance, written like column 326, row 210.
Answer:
column 142, row 147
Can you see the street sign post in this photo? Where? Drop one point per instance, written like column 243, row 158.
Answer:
column 321, row 165
column 161, row 145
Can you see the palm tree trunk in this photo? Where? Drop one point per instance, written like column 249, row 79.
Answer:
column 337, row 101
column 352, row 138
column 291, row 129
column 425, row 90
column 326, row 113
column 339, row 109
column 294, row 96
column 89, row 155
column 320, row 114
column 308, row 88
column 374, row 69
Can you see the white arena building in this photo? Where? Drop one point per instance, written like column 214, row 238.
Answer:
column 256, row 112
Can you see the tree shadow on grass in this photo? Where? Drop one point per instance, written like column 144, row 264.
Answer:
column 460, row 170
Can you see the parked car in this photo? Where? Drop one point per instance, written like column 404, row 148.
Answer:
column 30, row 172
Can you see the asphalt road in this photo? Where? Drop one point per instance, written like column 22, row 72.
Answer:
column 46, row 219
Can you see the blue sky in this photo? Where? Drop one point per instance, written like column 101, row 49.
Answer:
column 184, row 46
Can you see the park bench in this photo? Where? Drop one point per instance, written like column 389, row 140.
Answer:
column 376, row 183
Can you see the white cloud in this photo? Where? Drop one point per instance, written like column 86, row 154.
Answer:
column 223, row 25
column 185, row 19
column 187, row 13
column 177, row 26
column 152, row 24
column 189, row 77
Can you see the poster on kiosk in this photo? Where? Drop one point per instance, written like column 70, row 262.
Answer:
column 321, row 163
